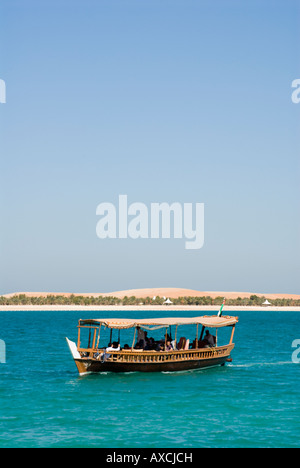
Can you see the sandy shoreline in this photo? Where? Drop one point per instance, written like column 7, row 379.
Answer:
column 166, row 310
column 166, row 292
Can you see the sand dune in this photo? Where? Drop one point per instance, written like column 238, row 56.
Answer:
column 167, row 292
column 177, row 292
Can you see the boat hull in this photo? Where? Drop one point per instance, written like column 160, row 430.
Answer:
column 149, row 361
column 91, row 366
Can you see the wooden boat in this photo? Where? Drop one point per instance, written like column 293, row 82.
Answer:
column 184, row 356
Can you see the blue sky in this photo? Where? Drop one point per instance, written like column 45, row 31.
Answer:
column 165, row 101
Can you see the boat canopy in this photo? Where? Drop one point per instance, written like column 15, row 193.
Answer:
column 208, row 321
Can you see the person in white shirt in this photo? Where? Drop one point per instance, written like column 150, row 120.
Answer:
column 113, row 348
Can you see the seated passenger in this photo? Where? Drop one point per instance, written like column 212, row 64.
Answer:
column 160, row 347
column 169, row 346
column 140, row 345
column 141, row 339
column 147, row 344
column 150, row 344
column 209, row 339
column 194, row 344
column 115, row 347
column 181, row 344
column 201, row 344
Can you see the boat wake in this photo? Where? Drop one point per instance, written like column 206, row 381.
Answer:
column 260, row 364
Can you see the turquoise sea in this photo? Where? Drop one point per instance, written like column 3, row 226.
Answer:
column 252, row 402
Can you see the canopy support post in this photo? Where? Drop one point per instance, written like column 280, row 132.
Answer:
column 99, row 336
column 89, row 343
column 78, row 339
column 133, row 339
column 94, row 338
column 232, row 334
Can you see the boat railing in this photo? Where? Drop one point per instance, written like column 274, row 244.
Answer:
column 143, row 356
